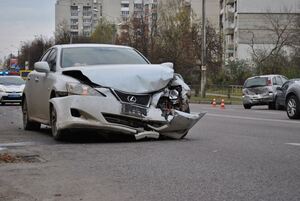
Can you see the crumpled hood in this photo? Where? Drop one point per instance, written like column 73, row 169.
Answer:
column 136, row 78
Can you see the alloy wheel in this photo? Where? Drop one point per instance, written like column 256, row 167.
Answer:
column 291, row 107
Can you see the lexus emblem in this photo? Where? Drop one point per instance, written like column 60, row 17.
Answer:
column 131, row 99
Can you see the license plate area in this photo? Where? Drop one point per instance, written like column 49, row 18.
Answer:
column 14, row 95
column 132, row 110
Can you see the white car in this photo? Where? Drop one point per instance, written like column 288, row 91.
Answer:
column 108, row 88
column 11, row 89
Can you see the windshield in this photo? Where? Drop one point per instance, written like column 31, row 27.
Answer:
column 11, row 81
column 256, row 82
column 87, row 56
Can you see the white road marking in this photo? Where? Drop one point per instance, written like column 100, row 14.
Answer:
column 294, row 144
column 17, row 144
column 254, row 118
column 2, row 148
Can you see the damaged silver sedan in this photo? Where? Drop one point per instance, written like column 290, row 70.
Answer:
column 107, row 88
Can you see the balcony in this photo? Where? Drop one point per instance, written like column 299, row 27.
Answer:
column 229, row 28
column 230, row 46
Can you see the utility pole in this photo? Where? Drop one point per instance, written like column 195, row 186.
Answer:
column 203, row 51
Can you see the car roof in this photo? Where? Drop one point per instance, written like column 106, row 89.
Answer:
column 90, row 45
column 270, row 75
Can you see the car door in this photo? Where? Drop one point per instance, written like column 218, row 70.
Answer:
column 281, row 93
column 43, row 86
column 32, row 95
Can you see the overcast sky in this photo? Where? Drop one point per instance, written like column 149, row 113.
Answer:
column 21, row 20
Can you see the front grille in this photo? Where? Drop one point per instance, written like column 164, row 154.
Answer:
column 140, row 99
column 128, row 121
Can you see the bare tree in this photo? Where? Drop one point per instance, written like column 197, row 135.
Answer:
column 282, row 34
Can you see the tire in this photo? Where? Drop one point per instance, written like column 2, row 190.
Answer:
column 277, row 105
column 247, row 106
column 27, row 124
column 293, row 107
column 272, row 106
column 56, row 133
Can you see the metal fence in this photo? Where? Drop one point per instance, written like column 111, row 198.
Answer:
column 234, row 91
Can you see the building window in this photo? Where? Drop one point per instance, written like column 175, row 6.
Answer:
column 87, row 11
column 125, row 5
column 86, row 27
column 86, row 20
column 74, row 10
column 124, row 13
column 138, row 6
column 74, row 26
column 74, row 21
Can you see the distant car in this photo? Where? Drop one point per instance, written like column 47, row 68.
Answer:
column 261, row 90
column 292, row 100
column 280, row 102
column 11, row 89
column 108, row 88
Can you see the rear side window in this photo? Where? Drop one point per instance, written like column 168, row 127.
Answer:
column 256, row 82
column 279, row 81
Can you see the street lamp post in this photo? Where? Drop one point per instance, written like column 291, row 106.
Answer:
column 203, row 51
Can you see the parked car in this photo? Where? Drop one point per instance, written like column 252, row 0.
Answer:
column 292, row 100
column 261, row 90
column 11, row 89
column 109, row 88
column 280, row 101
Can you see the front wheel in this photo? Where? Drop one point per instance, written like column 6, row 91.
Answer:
column 27, row 124
column 293, row 107
column 247, row 106
column 56, row 133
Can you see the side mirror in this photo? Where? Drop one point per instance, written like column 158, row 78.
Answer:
column 168, row 64
column 42, row 67
column 279, row 88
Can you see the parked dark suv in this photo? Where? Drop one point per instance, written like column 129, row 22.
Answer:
column 261, row 90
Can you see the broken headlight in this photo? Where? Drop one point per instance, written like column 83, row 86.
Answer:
column 173, row 94
column 81, row 89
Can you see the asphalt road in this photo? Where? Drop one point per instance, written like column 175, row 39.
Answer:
column 231, row 154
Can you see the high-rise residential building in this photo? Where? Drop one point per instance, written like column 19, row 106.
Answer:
column 247, row 24
column 81, row 16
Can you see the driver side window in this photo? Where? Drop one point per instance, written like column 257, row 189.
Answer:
column 51, row 59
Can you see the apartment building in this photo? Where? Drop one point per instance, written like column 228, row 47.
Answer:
column 82, row 16
column 246, row 24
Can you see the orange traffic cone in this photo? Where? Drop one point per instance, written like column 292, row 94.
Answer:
column 213, row 104
column 222, row 104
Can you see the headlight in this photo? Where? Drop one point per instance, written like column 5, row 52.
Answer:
column 173, row 94
column 81, row 89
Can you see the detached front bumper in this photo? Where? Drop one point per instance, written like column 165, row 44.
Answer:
column 105, row 113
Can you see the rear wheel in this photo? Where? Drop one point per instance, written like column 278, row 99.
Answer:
column 247, row 106
column 27, row 124
column 293, row 107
